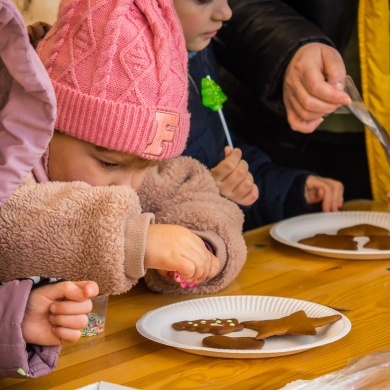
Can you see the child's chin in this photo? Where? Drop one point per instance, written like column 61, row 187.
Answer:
column 199, row 45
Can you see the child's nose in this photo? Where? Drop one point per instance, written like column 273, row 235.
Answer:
column 223, row 13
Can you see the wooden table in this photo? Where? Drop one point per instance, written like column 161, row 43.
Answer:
column 122, row 356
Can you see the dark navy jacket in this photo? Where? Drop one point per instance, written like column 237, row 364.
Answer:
column 281, row 188
column 254, row 49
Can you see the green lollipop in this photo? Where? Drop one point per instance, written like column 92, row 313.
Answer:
column 213, row 98
column 212, row 94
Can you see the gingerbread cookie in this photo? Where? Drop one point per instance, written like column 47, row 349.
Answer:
column 297, row 323
column 364, row 229
column 378, row 242
column 215, row 326
column 331, row 241
column 226, row 342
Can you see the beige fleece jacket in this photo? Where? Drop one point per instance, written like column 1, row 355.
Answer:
column 77, row 232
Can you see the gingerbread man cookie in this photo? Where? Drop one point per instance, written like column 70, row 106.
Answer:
column 226, row 342
column 215, row 326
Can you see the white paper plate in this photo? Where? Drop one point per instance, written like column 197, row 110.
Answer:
column 290, row 231
column 156, row 325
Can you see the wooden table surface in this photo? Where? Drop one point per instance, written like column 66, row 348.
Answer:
column 122, row 356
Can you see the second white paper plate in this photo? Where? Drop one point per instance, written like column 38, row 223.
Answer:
column 291, row 230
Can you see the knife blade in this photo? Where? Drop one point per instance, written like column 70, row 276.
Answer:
column 361, row 111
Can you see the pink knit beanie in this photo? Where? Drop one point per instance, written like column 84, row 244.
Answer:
column 119, row 70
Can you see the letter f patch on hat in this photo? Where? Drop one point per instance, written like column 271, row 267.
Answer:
column 166, row 123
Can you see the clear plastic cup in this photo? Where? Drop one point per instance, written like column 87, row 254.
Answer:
column 97, row 316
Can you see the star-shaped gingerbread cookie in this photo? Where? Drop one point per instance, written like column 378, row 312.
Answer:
column 364, row 229
column 297, row 323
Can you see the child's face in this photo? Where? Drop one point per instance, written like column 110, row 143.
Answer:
column 201, row 20
column 71, row 159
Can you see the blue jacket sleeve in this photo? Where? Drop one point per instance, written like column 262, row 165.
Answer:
column 281, row 188
column 17, row 359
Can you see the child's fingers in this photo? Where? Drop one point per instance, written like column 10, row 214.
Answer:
column 211, row 268
column 332, row 198
column 75, row 291
column 192, row 283
column 330, row 191
column 214, row 268
column 213, row 271
column 194, row 260
column 227, row 165
column 228, row 150
column 180, row 280
column 66, row 335
column 89, row 288
column 77, row 321
column 246, row 192
column 71, row 307
column 187, row 284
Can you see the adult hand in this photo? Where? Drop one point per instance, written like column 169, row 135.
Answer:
column 328, row 191
column 233, row 179
column 313, row 86
column 55, row 313
column 175, row 248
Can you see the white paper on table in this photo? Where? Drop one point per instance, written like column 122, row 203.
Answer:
column 369, row 372
column 104, row 386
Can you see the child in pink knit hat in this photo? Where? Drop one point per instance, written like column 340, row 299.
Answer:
column 111, row 200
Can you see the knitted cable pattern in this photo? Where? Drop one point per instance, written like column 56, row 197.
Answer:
column 159, row 19
column 66, row 9
column 108, row 48
column 177, row 68
column 119, row 70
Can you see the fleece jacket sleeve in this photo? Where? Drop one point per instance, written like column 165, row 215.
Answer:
column 76, row 232
column 188, row 196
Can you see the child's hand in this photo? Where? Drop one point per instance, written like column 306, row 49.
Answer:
column 55, row 313
column 175, row 248
column 234, row 180
column 328, row 191
column 178, row 279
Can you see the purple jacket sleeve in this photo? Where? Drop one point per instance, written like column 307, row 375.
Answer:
column 25, row 88
column 18, row 360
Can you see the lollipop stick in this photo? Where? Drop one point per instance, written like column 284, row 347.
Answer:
column 224, row 125
column 225, row 128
